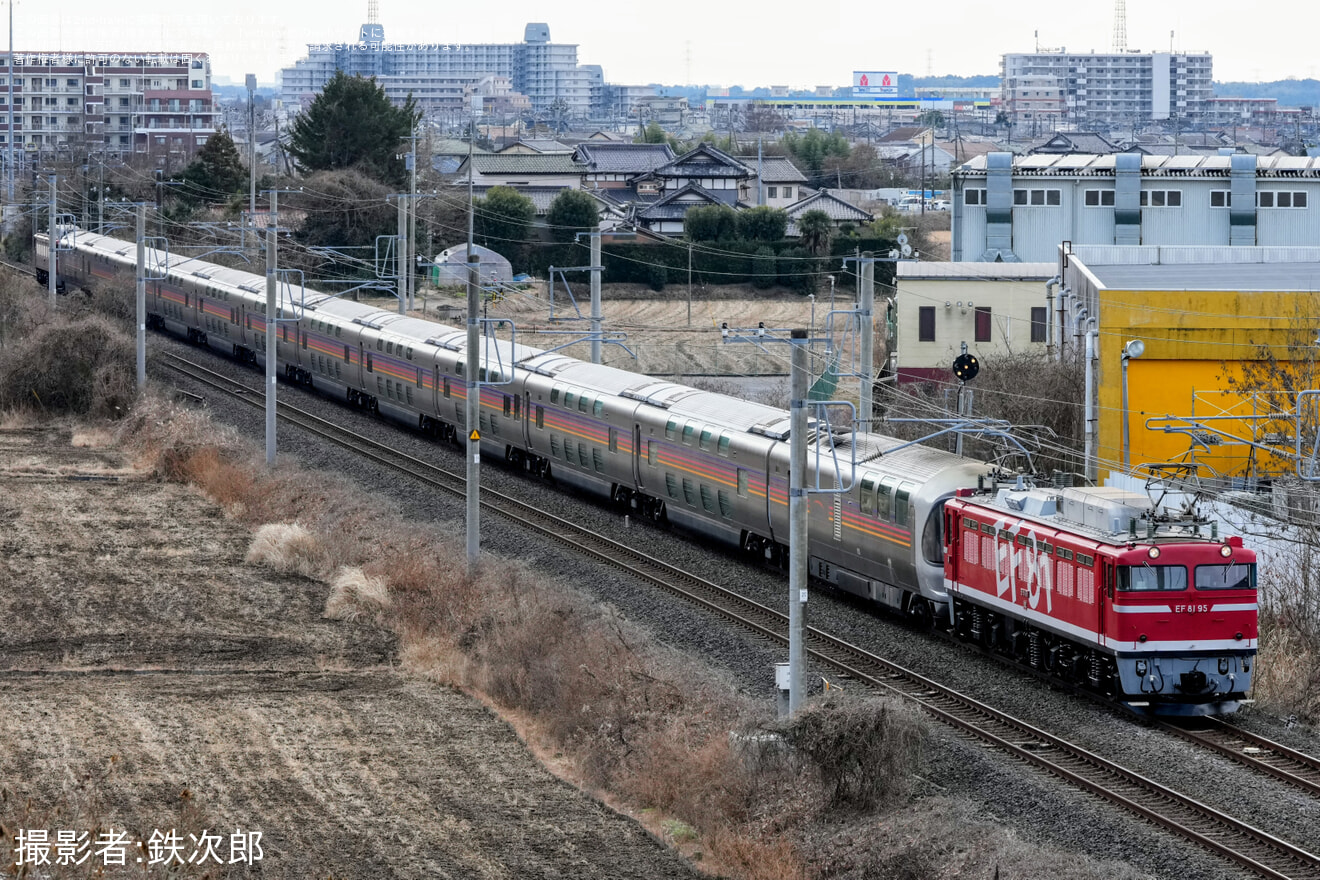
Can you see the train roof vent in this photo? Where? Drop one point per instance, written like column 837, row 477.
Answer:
column 1033, row 502
column 658, row 393
column 252, row 287
column 548, row 364
column 452, row 342
column 203, row 274
column 775, row 429
column 123, row 252
column 376, row 321
column 1103, row 507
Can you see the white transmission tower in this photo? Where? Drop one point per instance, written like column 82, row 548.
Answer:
column 373, row 11
column 1120, row 25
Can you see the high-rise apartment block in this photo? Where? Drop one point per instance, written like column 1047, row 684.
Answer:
column 1124, row 88
column 444, row 76
column 109, row 103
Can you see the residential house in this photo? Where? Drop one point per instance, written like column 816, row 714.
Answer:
column 783, row 182
column 536, row 146
column 702, row 176
column 837, row 209
column 614, row 165
column 1075, row 142
column 521, row 170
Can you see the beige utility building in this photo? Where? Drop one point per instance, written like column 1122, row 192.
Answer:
column 995, row 308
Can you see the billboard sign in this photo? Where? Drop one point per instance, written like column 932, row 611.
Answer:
column 875, row 84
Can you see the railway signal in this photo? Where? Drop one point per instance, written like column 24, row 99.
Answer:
column 966, row 366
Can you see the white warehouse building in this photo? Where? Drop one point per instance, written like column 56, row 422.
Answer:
column 1020, row 209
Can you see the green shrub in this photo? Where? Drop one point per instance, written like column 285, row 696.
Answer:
column 657, row 276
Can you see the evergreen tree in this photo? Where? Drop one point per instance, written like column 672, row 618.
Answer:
column 217, row 173
column 352, row 124
column 571, row 212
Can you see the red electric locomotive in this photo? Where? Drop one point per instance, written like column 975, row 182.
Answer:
column 1099, row 588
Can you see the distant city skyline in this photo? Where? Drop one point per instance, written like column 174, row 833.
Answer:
column 684, row 42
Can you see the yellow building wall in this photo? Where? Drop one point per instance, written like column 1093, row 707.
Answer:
column 1195, row 342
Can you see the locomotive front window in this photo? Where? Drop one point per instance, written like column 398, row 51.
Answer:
column 1152, row 578
column 1235, row 576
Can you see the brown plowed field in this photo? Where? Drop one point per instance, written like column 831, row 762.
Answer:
column 151, row 679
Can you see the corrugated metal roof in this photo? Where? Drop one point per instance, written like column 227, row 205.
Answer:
column 1189, row 164
column 978, row 271
column 1211, row 276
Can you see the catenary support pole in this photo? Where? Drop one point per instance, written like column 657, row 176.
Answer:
column 412, row 220
column 52, row 248
column 141, row 297
column 797, row 516
column 473, row 413
column 251, row 81
column 596, row 272
column 272, row 282
column 401, row 258
column 866, row 314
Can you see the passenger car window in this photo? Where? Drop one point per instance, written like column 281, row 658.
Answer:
column 689, row 431
column 901, row 498
column 884, row 498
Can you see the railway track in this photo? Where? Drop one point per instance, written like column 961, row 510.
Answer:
column 1251, row 848
column 1252, row 750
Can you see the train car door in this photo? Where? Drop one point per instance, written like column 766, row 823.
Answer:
column 638, row 452
column 952, row 541
column 1104, row 597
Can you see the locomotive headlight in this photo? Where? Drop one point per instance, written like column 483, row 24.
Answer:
column 1141, row 667
column 1153, row 552
column 1223, row 666
column 1225, row 551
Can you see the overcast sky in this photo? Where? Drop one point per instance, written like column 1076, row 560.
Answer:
column 768, row 43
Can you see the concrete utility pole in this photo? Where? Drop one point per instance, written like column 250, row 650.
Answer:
column 401, row 256
column 596, row 272
column 52, row 247
column 100, row 196
column 252, row 155
column 797, row 516
column 412, row 217
column 272, row 284
column 141, row 296
column 9, row 142
column 866, row 314
column 473, row 413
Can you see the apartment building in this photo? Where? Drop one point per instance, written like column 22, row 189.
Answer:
column 107, row 103
column 437, row 75
column 1119, row 88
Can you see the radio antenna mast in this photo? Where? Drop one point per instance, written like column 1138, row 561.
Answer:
column 373, row 11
